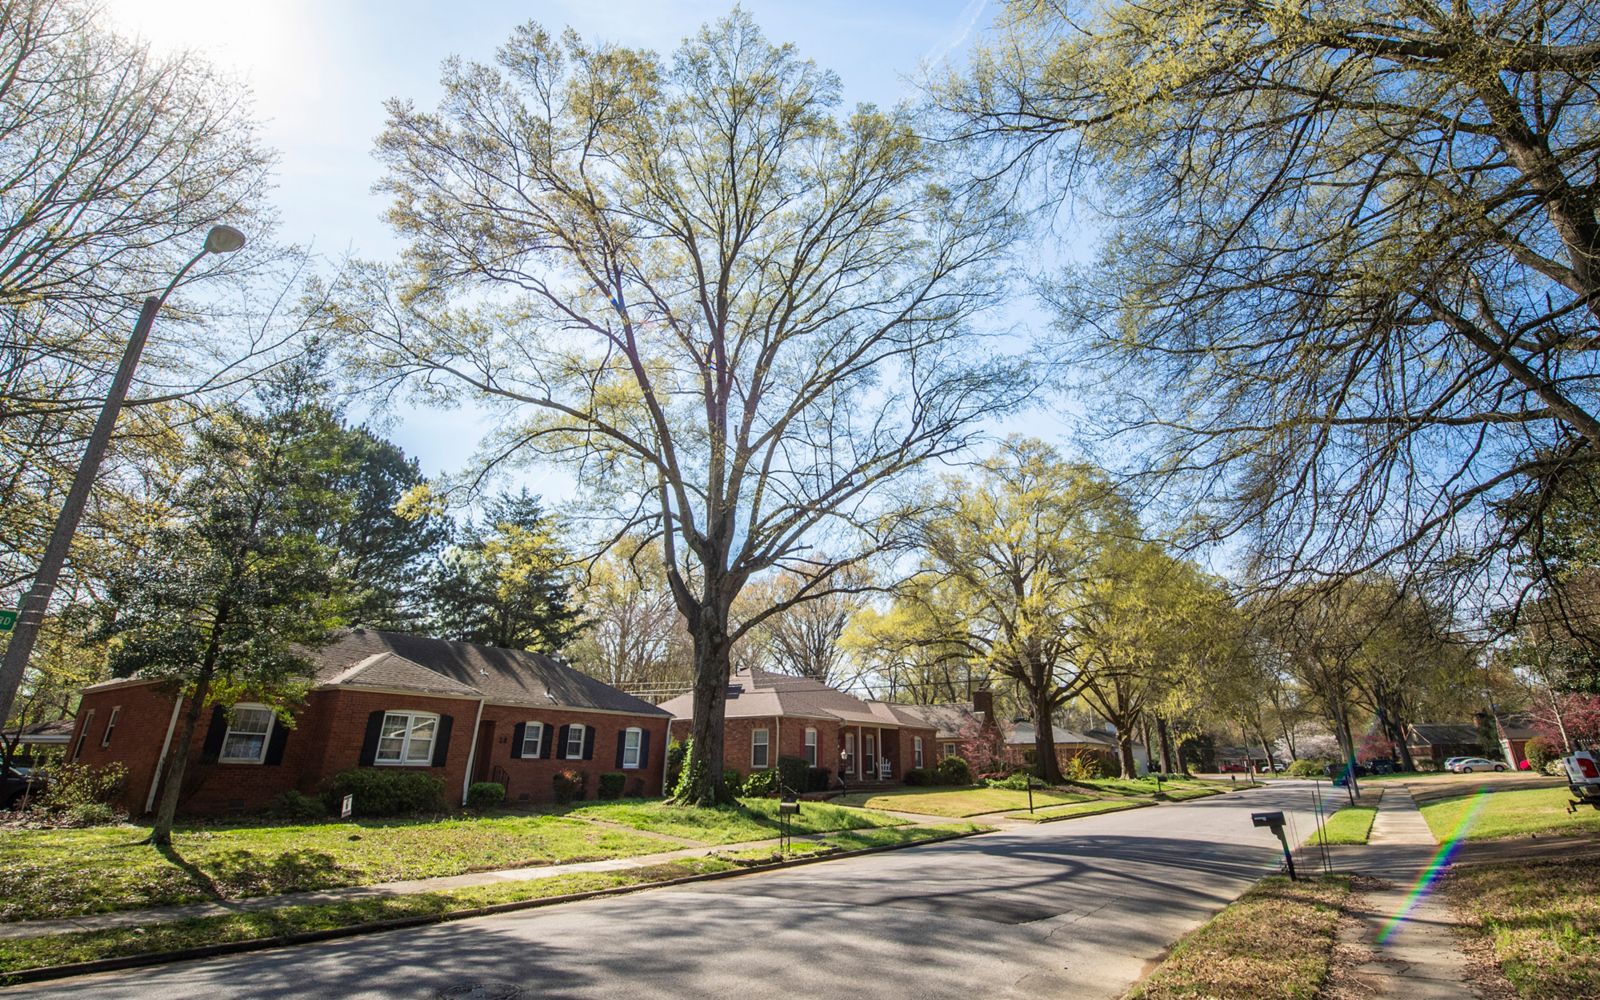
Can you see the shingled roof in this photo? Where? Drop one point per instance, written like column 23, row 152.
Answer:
column 758, row 694
column 1441, row 734
column 394, row 660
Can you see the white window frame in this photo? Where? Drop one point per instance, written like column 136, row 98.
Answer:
column 811, row 747
column 765, row 744
column 916, row 750
column 405, row 759
column 947, row 751
column 266, row 737
column 83, row 735
column 579, row 733
column 632, row 743
column 533, row 732
column 111, row 725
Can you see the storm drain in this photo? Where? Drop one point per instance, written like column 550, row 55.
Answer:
column 481, row 991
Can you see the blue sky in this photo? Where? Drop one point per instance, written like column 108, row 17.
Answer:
column 321, row 70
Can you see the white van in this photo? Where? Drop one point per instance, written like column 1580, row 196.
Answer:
column 1583, row 778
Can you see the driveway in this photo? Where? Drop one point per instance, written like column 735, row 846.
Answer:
column 1077, row 909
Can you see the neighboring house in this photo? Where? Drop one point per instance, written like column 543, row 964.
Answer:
column 1238, row 758
column 1439, row 741
column 457, row 710
column 32, row 742
column 954, row 723
column 1515, row 732
column 1021, row 750
column 771, row 715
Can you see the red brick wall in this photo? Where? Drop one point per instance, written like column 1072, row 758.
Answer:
column 326, row 739
column 897, row 745
column 531, row 780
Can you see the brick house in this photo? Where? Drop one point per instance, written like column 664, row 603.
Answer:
column 771, row 715
column 460, row 711
column 1439, row 741
column 1014, row 741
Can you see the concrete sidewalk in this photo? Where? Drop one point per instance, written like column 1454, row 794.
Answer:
column 1406, row 929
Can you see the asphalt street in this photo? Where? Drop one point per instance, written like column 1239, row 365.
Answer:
column 1077, row 909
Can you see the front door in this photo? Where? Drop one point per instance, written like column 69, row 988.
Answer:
column 870, row 756
column 481, row 764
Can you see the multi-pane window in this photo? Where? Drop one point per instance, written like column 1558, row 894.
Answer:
column 811, row 747
column 111, row 726
column 575, row 742
column 407, row 738
column 916, row 750
column 630, row 747
column 246, row 739
column 83, row 735
column 758, row 748
column 533, row 739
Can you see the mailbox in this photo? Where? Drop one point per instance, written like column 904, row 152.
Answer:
column 1272, row 820
column 788, row 808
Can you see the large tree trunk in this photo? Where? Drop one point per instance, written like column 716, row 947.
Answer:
column 1272, row 764
column 172, row 782
column 712, row 667
column 1125, row 760
column 1044, row 740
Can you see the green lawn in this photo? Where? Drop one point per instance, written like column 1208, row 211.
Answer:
column 1542, row 921
column 83, row 946
column 59, row 873
column 1510, row 813
column 1350, row 825
column 957, row 802
column 1275, row 943
column 1089, row 808
column 1176, row 791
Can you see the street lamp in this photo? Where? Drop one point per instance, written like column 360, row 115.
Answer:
column 220, row 240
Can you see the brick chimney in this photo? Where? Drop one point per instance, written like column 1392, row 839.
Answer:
column 983, row 702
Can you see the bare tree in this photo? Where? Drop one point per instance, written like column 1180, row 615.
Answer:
column 806, row 638
column 742, row 317
column 1352, row 281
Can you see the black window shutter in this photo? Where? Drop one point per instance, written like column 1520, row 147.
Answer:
column 546, row 743
column 561, row 751
column 441, row 741
column 644, row 748
column 588, row 743
column 622, row 744
column 369, row 742
column 276, row 742
column 215, row 733
column 517, row 734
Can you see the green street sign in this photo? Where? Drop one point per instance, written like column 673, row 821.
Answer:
column 8, row 619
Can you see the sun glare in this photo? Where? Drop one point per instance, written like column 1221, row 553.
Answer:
column 238, row 36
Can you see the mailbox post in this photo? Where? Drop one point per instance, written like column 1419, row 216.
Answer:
column 788, row 806
column 1274, row 822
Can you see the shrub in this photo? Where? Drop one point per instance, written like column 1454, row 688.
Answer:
column 792, row 772
column 1082, row 767
column 677, row 751
column 954, row 771
column 570, row 786
column 818, row 779
column 922, row 776
column 485, row 794
column 384, row 792
column 732, row 782
column 1540, row 752
column 1426, row 765
column 74, row 785
column 611, row 785
column 1307, row 768
column 88, row 814
column 1018, row 782
column 761, row 783
column 1556, row 768
column 295, row 805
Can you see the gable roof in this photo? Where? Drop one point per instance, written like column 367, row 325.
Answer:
column 1517, row 726
column 1438, row 733
column 757, row 693
column 947, row 720
column 368, row 658
column 1022, row 734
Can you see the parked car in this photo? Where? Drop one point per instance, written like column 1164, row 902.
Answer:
column 1468, row 765
column 1583, row 779
column 17, row 783
column 1451, row 762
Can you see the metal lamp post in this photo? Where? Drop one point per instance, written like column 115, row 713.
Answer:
column 220, row 240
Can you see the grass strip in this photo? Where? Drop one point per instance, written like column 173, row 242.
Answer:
column 1541, row 921
column 148, row 939
column 1510, row 813
column 1090, row 808
column 1275, row 943
column 1350, row 825
column 956, row 802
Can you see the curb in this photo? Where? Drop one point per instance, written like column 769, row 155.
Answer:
column 46, row 973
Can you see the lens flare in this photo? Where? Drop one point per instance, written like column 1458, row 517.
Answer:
column 1441, row 861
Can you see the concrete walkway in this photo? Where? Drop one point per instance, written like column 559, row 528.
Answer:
column 1408, row 934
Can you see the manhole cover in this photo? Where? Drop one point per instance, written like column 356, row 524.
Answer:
column 481, row 991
